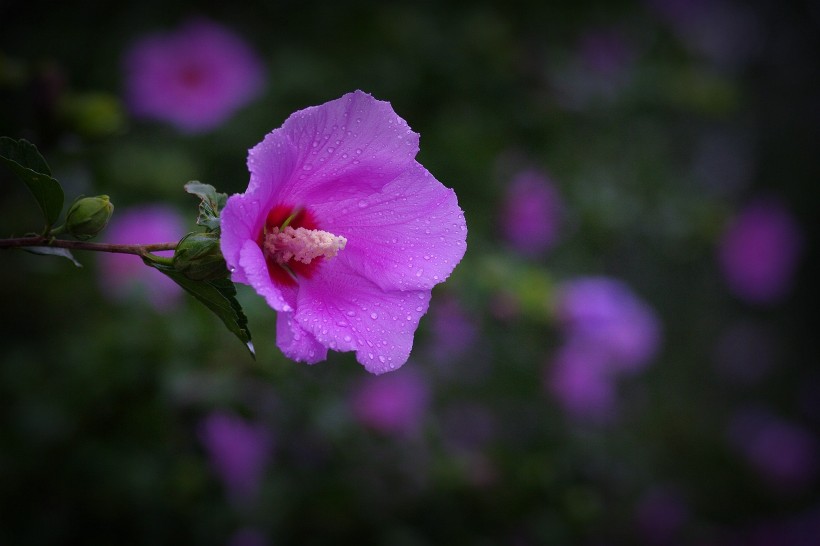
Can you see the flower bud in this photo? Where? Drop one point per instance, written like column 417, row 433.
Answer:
column 88, row 216
column 199, row 258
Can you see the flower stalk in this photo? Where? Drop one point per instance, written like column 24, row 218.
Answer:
column 39, row 240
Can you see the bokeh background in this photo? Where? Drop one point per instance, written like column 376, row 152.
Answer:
column 624, row 356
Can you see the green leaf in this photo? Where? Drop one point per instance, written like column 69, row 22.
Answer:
column 218, row 295
column 211, row 203
column 27, row 163
column 53, row 251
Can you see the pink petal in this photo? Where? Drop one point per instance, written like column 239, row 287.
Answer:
column 347, row 146
column 255, row 268
column 295, row 342
column 346, row 312
column 410, row 236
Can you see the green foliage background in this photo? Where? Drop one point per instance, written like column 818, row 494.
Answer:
column 100, row 402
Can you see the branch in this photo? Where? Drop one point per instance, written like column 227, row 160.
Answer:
column 139, row 250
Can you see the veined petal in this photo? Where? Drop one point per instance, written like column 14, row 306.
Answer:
column 342, row 148
column 241, row 220
column 295, row 342
column 409, row 236
column 346, row 312
column 255, row 267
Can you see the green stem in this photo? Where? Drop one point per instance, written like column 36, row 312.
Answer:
column 139, row 250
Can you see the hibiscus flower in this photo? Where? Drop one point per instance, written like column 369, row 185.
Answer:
column 343, row 232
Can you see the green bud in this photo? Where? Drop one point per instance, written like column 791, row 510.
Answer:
column 199, row 258
column 88, row 216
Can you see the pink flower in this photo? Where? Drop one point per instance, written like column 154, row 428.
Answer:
column 582, row 381
column 124, row 275
column 194, row 78
column 453, row 332
column 785, row 454
column 604, row 312
column 238, row 451
column 343, row 232
column 759, row 252
column 531, row 214
column 392, row 404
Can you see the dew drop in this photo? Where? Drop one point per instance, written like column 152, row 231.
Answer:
column 382, row 359
column 419, row 272
column 347, row 339
column 374, row 316
column 362, row 203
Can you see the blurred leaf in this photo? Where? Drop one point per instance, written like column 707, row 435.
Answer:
column 53, row 251
column 218, row 295
column 27, row 163
column 210, row 205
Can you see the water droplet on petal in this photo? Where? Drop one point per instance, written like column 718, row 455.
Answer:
column 374, row 316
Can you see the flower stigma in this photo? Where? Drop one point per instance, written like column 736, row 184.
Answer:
column 301, row 244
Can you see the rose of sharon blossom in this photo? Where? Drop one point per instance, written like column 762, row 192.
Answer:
column 605, row 313
column 532, row 214
column 123, row 275
column 392, row 404
column 759, row 252
column 581, row 379
column 194, row 78
column 343, row 232
column 784, row 453
column 238, row 451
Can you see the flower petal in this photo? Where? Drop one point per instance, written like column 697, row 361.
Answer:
column 339, row 149
column 346, row 312
column 410, row 236
column 295, row 342
column 253, row 264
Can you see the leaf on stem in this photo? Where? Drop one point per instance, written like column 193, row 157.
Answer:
column 218, row 295
column 53, row 251
column 210, row 205
column 27, row 163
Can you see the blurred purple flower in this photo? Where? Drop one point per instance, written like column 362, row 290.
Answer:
column 581, row 380
column 238, row 452
column 248, row 537
column 606, row 52
column 393, row 403
column 759, row 252
column 660, row 515
column 531, row 213
column 124, row 275
column 452, row 331
column 343, row 232
column 785, row 454
column 604, row 313
column 745, row 352
column 725, row 32
column 194, row 78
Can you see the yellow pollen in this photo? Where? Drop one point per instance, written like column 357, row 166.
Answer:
column 302, row 245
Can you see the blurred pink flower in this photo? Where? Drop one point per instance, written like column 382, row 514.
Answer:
column 759, row 252
column 605, row 313
column 660, row 515
column 124, row 276
column 343, row 232
column 606, row 52
column 581, row 379
column 393, row 403
column 248, row 537
column 193, row 78
column 238, row 452
column 531, row 213
column 453, row 332
column 785, row 454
